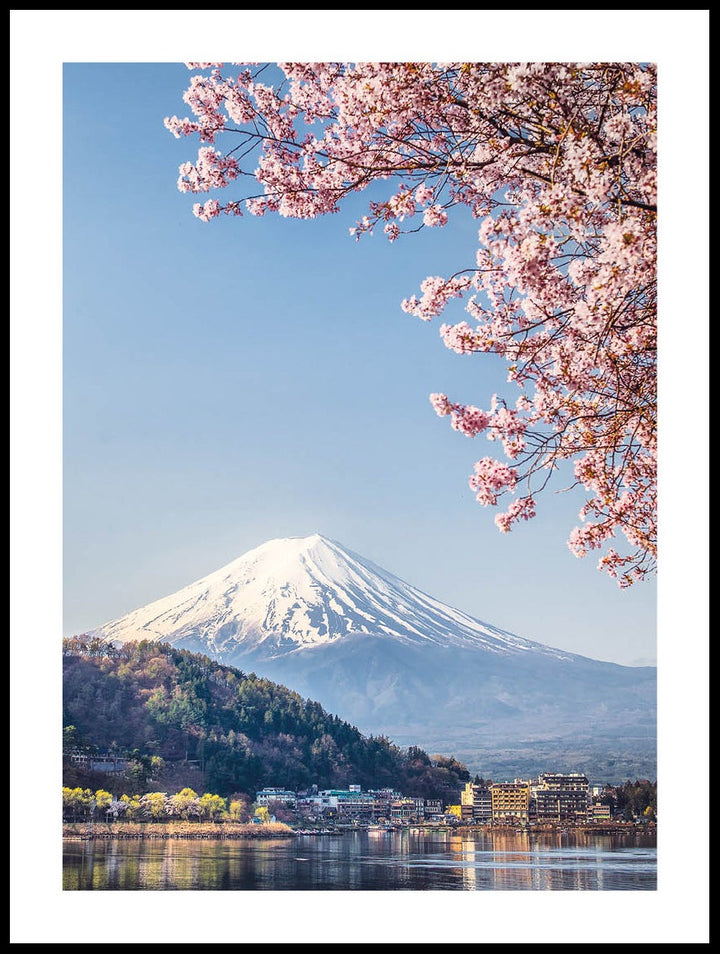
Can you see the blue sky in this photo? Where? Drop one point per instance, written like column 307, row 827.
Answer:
column 230, row 382
column 183, row 392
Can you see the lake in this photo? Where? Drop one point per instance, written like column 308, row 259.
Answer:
column 369, row 861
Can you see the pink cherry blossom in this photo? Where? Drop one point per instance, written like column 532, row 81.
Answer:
column 435, row 215
column 557, row 162
column 521, row 509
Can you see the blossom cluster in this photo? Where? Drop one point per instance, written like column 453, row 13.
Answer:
column 557, row 162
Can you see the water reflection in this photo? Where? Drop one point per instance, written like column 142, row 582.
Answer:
column 492, row 860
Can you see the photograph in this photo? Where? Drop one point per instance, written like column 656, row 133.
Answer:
column 352, row 426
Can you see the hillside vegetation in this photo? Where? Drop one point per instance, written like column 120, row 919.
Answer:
column 181, row 718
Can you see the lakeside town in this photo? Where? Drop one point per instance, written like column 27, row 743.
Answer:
column 549, row 801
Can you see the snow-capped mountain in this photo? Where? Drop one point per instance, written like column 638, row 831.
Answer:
column 292, row 594
column 379, row 653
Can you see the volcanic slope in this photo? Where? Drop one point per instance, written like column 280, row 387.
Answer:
column 373, row 649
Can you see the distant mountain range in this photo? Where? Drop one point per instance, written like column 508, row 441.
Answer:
column 391, row 660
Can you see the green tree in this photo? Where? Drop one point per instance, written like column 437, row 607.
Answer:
column 133, row 806
column 212, row 806
column 154, row 805
column 77, row 802
column 73, row 741
column 140, row 767
column 239, row 808
column 103, row 800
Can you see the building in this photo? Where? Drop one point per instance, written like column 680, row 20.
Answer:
column 383, row 800
column 350, row 803
column 405, row 810
column 560, row 798
column 510, row 803
column 317, row 806
column 476, row 803
column 99, row 761
column 569, row 782
column 353, row 802
column 281, row 796
column 433, row 807
column 597, row 812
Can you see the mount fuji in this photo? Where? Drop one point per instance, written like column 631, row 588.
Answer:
column 379, row 653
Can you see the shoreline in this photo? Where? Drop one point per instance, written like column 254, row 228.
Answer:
column 84, row 831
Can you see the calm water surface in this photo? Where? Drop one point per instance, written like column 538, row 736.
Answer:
column 368, row 861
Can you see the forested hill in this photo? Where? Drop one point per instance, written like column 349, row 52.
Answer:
column 176, row 714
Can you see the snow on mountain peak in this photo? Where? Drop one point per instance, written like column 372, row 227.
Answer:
column 295, row 593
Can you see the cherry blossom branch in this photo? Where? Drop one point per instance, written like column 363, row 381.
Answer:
column 557, row 162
